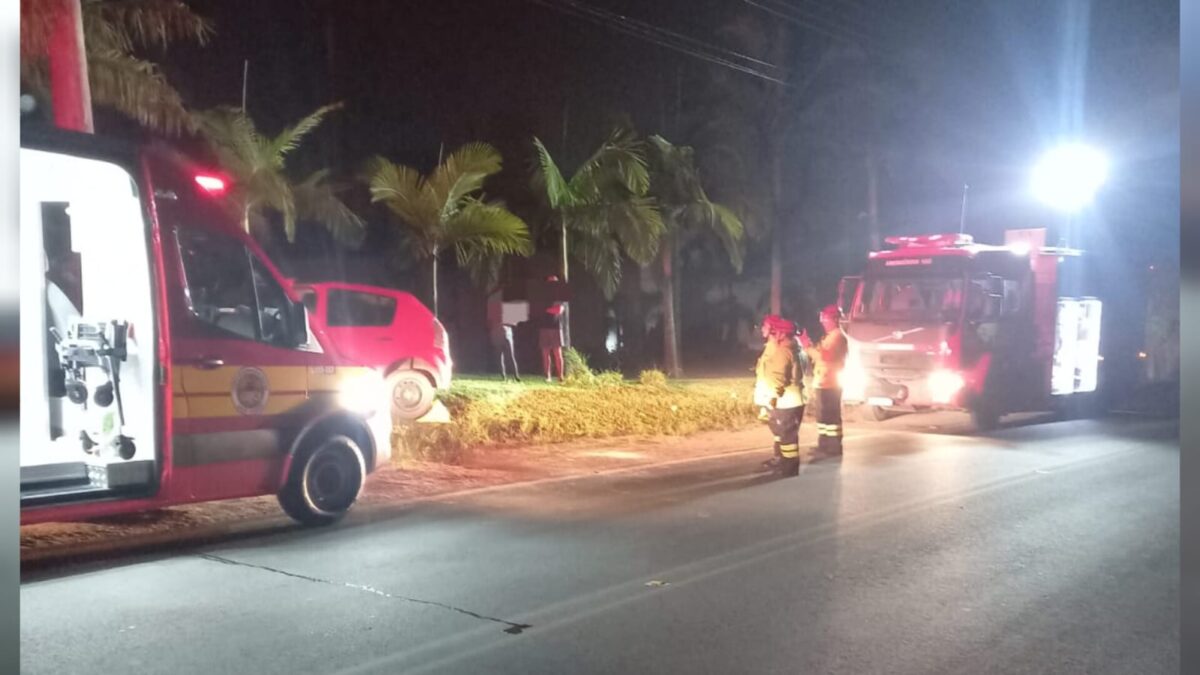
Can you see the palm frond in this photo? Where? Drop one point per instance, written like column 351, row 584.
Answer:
column 479, row 230
column 638, row 226
column 549, row 179
column 600, row 255
column 620, row 160
column 137, row 89
column 289, row 139
column 316, row 199
column 404, row 192
column 463, row 173
column 144, row 23
column 234, row 138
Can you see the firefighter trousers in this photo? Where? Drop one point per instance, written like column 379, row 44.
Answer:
column 829, row 420
column 785, row 427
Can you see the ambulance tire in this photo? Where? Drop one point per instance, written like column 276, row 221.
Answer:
column 411, row 394
column 326, row 479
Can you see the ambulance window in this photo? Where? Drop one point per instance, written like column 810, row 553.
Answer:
column 274, row 305
column 350, row 308
column 309, row 298
column 220, row 288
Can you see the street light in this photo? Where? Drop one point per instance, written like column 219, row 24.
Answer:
column 1067, row 177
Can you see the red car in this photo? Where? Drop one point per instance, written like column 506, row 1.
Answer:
column 388, row 330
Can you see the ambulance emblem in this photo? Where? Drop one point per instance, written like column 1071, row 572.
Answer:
column 250, row 391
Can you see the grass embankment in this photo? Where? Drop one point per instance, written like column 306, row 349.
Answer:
column 487, row 411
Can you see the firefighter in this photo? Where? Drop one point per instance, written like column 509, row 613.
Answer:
column 829, row 358
column 779, row 390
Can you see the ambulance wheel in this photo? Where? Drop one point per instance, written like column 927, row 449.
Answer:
column 325, row 481
column 411, row 393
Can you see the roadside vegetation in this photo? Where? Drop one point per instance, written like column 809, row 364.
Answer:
column 488, row 411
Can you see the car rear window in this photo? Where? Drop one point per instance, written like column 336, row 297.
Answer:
column 351, row 308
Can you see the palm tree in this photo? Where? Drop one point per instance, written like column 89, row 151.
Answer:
column 604, row 211
column 687, row 213
column 113, row 30
column 258, row 165
column 446, row 210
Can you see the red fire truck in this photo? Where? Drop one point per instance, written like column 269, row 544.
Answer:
column 942, row 322
column 163, row 358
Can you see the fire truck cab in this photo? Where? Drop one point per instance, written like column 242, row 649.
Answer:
column 164, row 360
column 942, row 322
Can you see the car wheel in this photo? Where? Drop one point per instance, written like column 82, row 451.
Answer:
column 324, row 482
column 411, row 395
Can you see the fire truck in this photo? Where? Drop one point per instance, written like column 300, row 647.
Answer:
column 163, row 359
column 940, row 322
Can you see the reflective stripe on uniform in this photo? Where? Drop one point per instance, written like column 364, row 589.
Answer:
column 790, row 450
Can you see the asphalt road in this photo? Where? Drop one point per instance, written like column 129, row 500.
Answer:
column 1045, row 549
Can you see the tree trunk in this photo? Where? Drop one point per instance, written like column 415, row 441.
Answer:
column 873, row 235
column 566, row 320
column 670, row 341
column 70, row 93
column 435, row 283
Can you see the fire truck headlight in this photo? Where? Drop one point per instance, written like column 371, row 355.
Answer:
column 854, row 381
column 944, row 385
column 365, row 393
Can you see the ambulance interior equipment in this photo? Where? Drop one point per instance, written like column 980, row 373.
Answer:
column 87, row 328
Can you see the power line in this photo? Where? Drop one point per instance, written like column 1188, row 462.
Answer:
column 831, row 17
column 662, row 37
column 807, row 22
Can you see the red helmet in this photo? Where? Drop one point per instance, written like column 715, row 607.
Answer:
column 778, row 325
column 831, row 312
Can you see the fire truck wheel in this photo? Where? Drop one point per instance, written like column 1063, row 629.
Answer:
column 411, row 393
column 880, row 413
column 984, row 416
column 325, row 481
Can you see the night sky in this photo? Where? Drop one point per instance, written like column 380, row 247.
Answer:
column 991, row 84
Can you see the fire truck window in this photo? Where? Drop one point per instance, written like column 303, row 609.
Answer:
column 349, row 308
column 906, row 298
column 274, row 306
column 219, row 283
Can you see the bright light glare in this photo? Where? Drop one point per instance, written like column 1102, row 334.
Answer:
column 1067, row 177
column 365, row 393
column 944, row 384
column 853, row 379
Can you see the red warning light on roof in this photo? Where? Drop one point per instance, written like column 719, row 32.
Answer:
column 211, row 184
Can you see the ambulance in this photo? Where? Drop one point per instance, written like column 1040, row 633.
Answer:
column 164, row 360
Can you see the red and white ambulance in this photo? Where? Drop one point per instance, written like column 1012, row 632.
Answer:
column 164, row 359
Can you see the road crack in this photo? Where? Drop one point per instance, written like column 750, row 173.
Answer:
column 512, row 629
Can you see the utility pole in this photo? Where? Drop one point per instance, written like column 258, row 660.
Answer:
column 962, row 218
column 245, row 80
column 70, row 94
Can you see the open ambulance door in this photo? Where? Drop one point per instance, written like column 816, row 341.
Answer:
column 88, row 358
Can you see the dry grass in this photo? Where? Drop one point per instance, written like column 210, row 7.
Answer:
column 489, row 412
